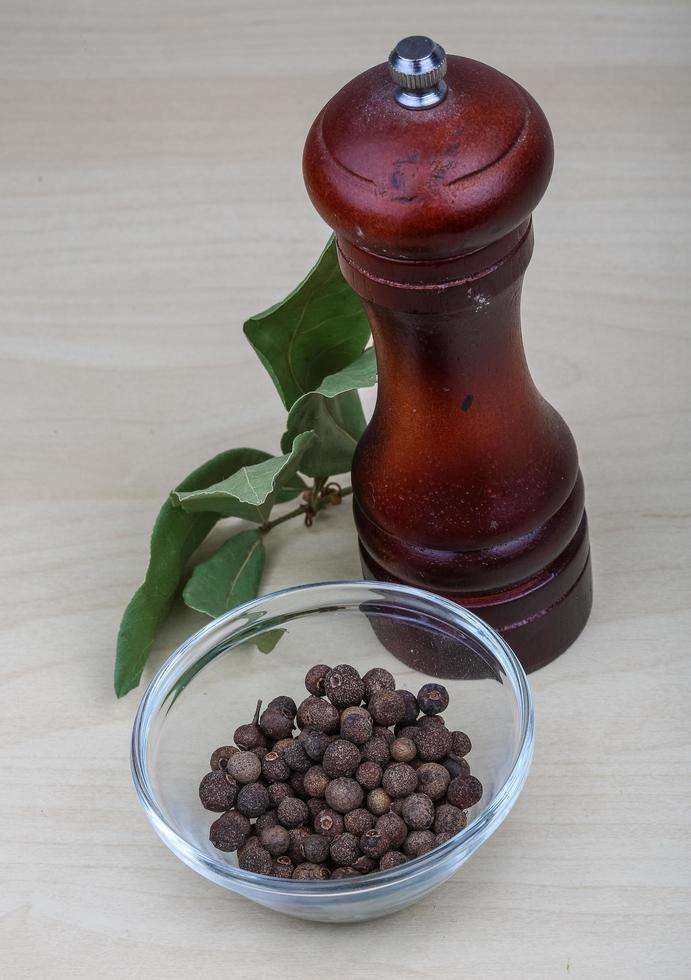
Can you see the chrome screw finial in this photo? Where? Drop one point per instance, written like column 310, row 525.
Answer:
column 417, row 65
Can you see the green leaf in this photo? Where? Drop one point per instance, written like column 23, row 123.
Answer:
column 335, row 414
column 266, row 642
column 291, row 489
column 362, row 373
column 228, row 578
column 251, row 491
column 315, row 332
column 175, row 537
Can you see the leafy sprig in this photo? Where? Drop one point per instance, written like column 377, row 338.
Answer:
column 314, row 346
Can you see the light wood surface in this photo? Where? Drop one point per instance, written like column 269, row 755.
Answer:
column 151, row 199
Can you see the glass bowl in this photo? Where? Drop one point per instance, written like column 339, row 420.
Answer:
column 211, row 684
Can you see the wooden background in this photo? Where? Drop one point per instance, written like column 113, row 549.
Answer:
column 151, row 199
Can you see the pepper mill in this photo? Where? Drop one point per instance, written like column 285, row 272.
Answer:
column 466, row 481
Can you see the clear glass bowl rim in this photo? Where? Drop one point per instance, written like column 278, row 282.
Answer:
column 457, row 849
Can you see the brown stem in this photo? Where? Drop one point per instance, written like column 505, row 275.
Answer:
column 257, row 712
column 309, row 510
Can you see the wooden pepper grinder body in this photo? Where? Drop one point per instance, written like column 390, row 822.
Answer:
column 466, row 481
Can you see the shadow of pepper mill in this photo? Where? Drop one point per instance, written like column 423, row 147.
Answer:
column 466, row 481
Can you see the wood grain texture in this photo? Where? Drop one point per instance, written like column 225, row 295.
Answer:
column 150, row 200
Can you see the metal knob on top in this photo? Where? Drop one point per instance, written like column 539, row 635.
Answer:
column 418, row 65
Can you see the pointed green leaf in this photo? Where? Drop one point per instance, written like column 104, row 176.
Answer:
column 334, row 413
column 251, row 492
column 266, row 642
column 228, row 578
column 315, row 332
column 361, row 373
column 175, row 537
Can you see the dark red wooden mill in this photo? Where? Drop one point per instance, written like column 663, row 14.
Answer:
column 466, row 481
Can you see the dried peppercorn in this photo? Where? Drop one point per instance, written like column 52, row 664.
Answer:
column 358, row 821
column 282, row 867
column 292, row 812
column 217, row 791
column 281, row 745
column 249, row 736
column 220, row 756
column 356, row 725
column 378, row 679
column 319, row 714
column 311, row 872
column 412, row 709
column 277, row 723
column 328, row 823
column 426, row 720
column 344, row 849
column 253, row 857
column 260, row 751
column 378, row 802
column 455, row 766
column 418, row 842
column 316, row 781
column 386, row 707
column 297, row 784
column 403, row 750
column 449, row 819
column 244, row 768
column 400, row 780
column 343, row 686
column 385, row 733
column 464, row 792
column 296, row 757
column 316, row 848
column 314, row 743
column 315, row 805
column 278, row 792
column 433, row 780
column 374, row 843
column 274, row 768
column 314, row 679
column 266, row 820
column 364, row 864
column 276, row 840
column 344, row 794
column 442, row 838
column 341, row 758
column 253, row 800
column 406, row 731
column 369, row 774
column 285, row 704
column 418, row 812
column 230, row 831
column 376, row 749
column 344, row 873
column 460, row 744
column 432, row 699
column 392, row 859
column 298, row 836
column 432, row 743
column 394, row 827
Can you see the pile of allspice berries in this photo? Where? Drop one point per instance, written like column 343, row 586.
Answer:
column 373, row 779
